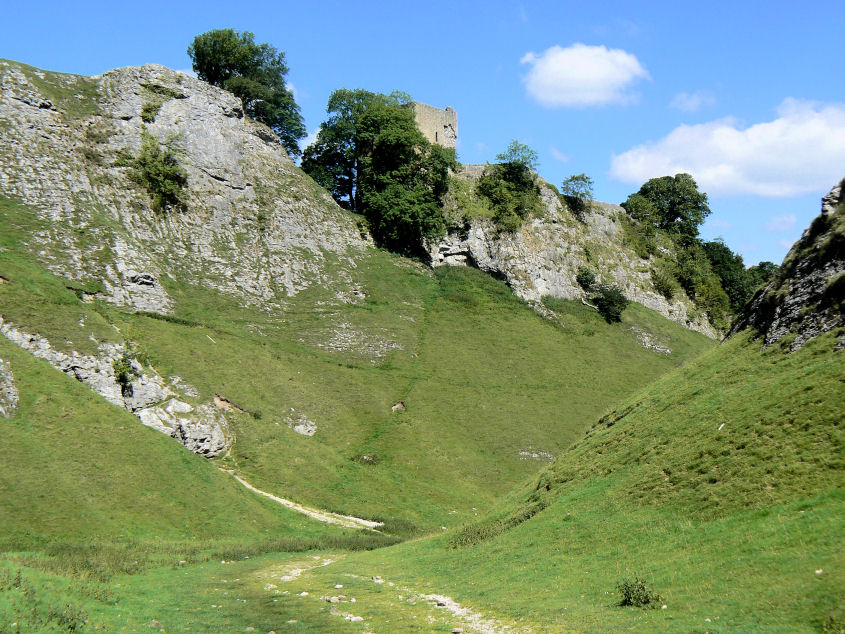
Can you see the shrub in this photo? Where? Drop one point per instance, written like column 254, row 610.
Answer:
column 160, row 173
column 124, row 373
column 149, row 112
column 610, row 302
column 585, row 278
column 635, row 592
column 663, row 284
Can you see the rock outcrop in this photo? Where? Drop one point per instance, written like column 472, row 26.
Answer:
column 254, row 225
column 8, row 391
column 202, row 429
column 544, row 256
column 807, row 296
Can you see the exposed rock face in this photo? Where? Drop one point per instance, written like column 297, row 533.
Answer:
column 8, row 391
column 543, row 257
column 255, row 226
column 201, row 429
column 806, row 298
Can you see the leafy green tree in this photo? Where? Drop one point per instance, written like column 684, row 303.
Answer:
column 731, row 271
column 335, row 159
column 255, row 73
column 519, row 156
column 672, row 203
column 372, row 157
column 610, row 302
column 761, row 274
column 577, row 190
column 511, row 186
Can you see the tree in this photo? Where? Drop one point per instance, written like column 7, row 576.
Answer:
column 731, row 271
column 255, row 73
column 520, row 156
column 761, row 273
column 578, row 192
column 511, row 186
column 334, row 159
column 672, row 203
column 372, row 157
column 610, row 302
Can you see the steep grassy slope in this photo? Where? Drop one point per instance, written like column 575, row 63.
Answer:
column 490, row 387
column 75, row 467
column 721, row 484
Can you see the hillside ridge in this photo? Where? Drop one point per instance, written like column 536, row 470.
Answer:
column 805, row 299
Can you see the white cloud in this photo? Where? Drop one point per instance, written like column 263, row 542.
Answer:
column 558, row 155
column 692, row 102
column 782, row 223
column 581, row 75
column 801, row 151
column 786, row 244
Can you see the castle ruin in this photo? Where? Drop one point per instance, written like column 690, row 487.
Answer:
column 437, row 125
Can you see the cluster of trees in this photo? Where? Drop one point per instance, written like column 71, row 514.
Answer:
column 709, row 272
column 374, row 160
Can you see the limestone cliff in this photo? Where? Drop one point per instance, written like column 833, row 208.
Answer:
column 254, row 226
column 806, row 298
column 544, row 256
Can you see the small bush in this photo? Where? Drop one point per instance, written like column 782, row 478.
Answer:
column 834, row 624
column 124, row 373
column 149, row 112
column 610, row 303
column 635, row 592
column 68, row 617
column 663, row 284
column 585, row 278
column 160, row 173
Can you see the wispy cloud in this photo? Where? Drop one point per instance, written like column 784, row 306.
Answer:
column 786, row 222
column 692, row 102
column 801, row 151
column 558, row 155
column 581, row 75
column 718, row 223
column 786, row 244
column 523, row 14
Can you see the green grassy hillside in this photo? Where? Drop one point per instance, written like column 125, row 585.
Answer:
column 721, row 484
column 490, row 387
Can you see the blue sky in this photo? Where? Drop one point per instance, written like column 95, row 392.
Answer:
column 747, row 96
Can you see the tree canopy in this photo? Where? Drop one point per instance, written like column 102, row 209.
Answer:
column 511, row 186
column 673, row 203
column 577, row 190
column 255, row 73
column 374, row 160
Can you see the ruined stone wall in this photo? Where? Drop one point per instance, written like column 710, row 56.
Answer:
column 439, row 126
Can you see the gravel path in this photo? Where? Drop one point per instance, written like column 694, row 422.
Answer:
column 348, row 521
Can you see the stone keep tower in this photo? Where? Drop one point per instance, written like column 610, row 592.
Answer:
column 438, row 126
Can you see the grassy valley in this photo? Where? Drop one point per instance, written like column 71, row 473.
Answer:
column 500, row 465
